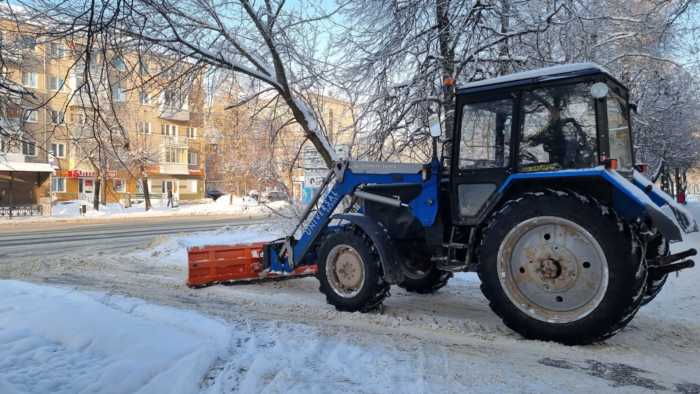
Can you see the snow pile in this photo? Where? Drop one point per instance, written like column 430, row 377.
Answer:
column 61, row 341
column 224, row 205
column 172, row 250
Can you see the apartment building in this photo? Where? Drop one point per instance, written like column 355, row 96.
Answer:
column 147, row 131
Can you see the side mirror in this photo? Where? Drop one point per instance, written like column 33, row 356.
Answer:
column 435, row 129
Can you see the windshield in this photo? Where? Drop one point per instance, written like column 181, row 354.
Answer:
column 619, row 131
column 558, row 128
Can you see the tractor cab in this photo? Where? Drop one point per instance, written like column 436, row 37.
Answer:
column 558, row 118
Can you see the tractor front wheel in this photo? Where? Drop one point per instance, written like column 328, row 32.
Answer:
column 559, row 266
column 349, row 271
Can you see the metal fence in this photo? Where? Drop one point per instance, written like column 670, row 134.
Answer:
column 20, row 211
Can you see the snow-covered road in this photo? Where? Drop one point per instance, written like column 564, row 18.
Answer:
column 283, row 337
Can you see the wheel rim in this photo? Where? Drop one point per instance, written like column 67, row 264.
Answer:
column 345, row 271
column 552, row 269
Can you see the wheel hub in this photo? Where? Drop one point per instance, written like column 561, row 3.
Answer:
column 552, row 269
column 345, row 271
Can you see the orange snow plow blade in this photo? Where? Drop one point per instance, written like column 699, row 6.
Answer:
column 209, row 265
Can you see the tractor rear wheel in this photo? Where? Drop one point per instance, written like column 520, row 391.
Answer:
column 424, row 280
column 349, row 270
column 559, row 266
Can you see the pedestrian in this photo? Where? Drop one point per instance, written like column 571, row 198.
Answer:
column 170, row 197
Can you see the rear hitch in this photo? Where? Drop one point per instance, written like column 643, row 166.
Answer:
column 665, row 260
column 661, row 270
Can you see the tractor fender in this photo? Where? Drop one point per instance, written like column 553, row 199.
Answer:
column 379, row 236
column 629, row 199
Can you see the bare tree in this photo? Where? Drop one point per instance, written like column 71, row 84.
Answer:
column 260, row 40
column 403, row 53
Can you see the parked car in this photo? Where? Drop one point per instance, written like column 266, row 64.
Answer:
column 275, row 195
column 214, row 194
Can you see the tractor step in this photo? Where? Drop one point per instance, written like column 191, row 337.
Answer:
column 210, row 265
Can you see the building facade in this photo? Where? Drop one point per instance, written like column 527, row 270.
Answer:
column 146, row 130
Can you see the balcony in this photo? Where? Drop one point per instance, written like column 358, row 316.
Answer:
column 195, row 170
column 174, row 168
column 175, row 114
column 173, row 141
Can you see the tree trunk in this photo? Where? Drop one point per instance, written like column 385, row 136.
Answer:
column 146, row 192
column 447, row 64
column 96, row 194
column 103, row 194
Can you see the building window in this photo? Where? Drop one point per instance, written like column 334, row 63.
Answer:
column 28, row 148
column 144, row 98
column 31, row 116
column 119, row 185
column 192, row 132
column 193, row 186
column 29, row 79
column 118, row 94
column 119, row 64
column 58, row 150
column 173, row 101
column 171, row 155
column 143, row 127
column 57, row 117
column 192, row 158
column 28, row 42
column 56, row 83
column 58, row 185
column 56, row 50
column 168, row 129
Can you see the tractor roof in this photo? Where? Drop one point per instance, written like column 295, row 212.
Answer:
column 539, row 75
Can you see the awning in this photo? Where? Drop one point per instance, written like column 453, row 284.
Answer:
column 25, row 167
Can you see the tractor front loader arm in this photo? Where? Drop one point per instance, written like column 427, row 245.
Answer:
column 348, row 179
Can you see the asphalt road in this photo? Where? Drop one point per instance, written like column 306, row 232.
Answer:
column 46, row 239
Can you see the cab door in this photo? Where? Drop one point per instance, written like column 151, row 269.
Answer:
column 481, row 153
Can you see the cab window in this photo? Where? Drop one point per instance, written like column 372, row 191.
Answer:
column 558, row 128
column 619, row 129
column 485, row 136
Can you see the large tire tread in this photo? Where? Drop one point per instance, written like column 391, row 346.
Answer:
column 376, row 288
column 603, row 327
column 432, row 282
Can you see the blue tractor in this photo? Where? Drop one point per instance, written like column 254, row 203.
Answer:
column 536, row 191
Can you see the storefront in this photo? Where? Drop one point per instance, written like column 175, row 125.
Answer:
column 24, row 188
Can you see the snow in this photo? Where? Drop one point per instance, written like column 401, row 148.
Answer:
column 537, row 73
column 172, row 250
column 224, row 205
column 282, row 337
column 314, row 127
column 63, row 341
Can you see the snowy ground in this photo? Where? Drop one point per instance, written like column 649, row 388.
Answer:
column 62, row 341
column 225, row 205
column 282, row 337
